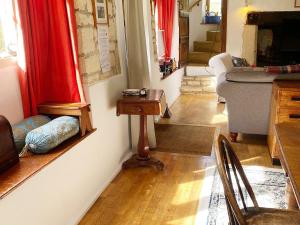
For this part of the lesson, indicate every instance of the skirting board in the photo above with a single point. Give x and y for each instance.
(92, 201)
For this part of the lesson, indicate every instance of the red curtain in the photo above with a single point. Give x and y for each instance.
(165, 9)
(47, 53)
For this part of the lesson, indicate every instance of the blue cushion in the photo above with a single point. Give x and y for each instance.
(43, 139)
(21, 129)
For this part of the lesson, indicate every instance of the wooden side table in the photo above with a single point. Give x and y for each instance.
(285, 107)
(154, 103)
(287, 139)
(80, 110)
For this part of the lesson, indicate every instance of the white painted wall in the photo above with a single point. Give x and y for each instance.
(197, 29)
(10, 97)
(171, 85)
(63, 191)
(237, 18)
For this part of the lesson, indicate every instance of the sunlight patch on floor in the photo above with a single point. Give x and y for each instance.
(219, 118)
(252, 160)
(188, 220)
(183, 193)
(204, 170)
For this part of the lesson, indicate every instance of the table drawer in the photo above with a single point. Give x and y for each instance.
(290, 99)
(288, 115)
(139, 109)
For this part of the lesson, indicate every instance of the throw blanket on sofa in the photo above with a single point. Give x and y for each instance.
(283, 69)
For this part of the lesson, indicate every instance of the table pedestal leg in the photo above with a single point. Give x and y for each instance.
(290, 196)
(143, 158)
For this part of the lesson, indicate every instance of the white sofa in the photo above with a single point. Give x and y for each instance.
(247, 94)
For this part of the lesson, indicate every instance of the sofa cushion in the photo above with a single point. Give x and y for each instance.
(239, 62)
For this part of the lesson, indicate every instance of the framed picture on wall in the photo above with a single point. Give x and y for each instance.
(100, 12)
(297, 3)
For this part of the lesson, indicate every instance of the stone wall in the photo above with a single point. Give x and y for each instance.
(153, 26)
(89, 60)
(198, 84)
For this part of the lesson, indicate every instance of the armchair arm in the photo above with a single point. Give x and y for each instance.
(249, 76)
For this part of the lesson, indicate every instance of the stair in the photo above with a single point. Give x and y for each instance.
(207, 46)
(214, 35)
(198, 84)
(204, 50)
(200, 57)
(198, 70)
(199, 78)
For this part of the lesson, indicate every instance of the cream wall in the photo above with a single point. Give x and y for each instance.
(10, 97)
(171, 86)
(62, 192)
(237, 18)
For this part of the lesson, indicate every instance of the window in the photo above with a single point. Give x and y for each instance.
(214, 7)
(2, 44)
(8, 36)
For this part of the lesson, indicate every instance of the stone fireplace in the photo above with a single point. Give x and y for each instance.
(272, 38)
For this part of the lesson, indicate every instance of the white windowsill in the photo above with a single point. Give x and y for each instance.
(7, 62)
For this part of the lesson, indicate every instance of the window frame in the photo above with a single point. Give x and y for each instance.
(8, 52)
(207, 6)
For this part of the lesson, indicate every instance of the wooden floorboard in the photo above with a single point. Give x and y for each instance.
(148, 197)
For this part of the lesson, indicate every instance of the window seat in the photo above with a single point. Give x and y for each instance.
(166, 76)
(32, 164)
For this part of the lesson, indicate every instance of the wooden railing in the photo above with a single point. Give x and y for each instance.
(197, 2)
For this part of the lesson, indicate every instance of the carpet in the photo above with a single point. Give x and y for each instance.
(185, 139)
(268, 185)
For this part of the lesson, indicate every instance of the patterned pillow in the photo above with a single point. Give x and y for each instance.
(239, 62)
(43, 139)
(21, 129)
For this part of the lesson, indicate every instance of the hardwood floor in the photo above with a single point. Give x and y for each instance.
(197, 109)
(147, 197)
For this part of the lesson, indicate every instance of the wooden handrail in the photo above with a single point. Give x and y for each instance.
(194, 4)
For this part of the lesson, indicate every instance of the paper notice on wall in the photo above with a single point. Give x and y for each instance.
(103, 45)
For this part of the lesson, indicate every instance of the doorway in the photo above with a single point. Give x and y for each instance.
(205, 37)
(206, 33)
